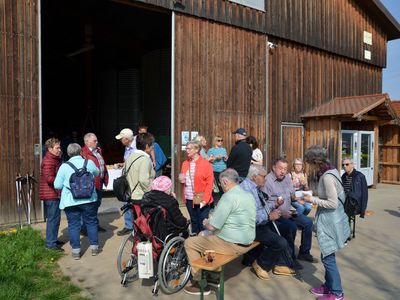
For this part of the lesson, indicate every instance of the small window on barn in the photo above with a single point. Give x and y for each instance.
(257, 4)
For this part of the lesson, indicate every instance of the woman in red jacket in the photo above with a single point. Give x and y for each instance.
(48, 194)
(197, 179)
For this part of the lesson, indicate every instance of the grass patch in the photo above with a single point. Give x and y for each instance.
(28, 270)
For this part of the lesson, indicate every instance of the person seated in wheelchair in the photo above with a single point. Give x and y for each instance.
(161, 196)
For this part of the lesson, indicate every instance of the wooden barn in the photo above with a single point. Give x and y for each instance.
(185, 67)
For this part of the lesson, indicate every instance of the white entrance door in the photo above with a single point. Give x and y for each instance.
(360, 146)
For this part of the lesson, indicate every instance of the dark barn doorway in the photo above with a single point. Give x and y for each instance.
(105, 66)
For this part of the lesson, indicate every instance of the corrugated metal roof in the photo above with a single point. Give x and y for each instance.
(353, 106)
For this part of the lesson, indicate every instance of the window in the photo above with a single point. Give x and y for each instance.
(257, 4)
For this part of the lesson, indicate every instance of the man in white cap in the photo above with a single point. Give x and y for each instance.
(127, 139)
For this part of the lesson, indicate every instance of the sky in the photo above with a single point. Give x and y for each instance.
(391, 75)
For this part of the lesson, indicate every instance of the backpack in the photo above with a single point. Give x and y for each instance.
(121, 185)
(350, 204)
(81, 182)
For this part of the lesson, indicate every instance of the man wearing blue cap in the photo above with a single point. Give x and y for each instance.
(240, 156)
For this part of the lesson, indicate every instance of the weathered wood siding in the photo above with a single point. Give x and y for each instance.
(333, 25)
(302, 78)
(222, 11)
(19, 107)
(389, 144)
(220, 81)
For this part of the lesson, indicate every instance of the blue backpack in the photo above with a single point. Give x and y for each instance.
(81, 182)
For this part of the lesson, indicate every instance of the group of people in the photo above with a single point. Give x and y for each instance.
(254, 204)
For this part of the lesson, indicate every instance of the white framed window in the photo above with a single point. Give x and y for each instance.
(256, 4)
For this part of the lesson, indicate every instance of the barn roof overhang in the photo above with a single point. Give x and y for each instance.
(382, 16)
(376, 107)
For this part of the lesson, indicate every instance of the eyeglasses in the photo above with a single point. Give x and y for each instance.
(220, 140)
(346, 164)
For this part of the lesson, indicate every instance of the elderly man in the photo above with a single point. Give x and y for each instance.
(278, 185)
(127, 139)
(273, 247)
(92, 151)
(240, 157)
(355, 185)
(233, 223)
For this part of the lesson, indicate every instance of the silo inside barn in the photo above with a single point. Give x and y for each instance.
(105, 66)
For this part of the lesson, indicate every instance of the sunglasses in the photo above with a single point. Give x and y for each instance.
(346, 164)
(220, 140)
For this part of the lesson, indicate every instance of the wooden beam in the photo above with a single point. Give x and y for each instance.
(390, 182)
(389, 145)
(376, 155)
(388, 163)
(369, 118)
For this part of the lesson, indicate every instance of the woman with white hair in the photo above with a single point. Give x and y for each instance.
(78, 209)
(332, 223)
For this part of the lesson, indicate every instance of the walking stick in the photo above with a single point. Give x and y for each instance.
(28, 198)
(18, 190)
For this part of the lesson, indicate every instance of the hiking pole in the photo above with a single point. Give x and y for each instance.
(28, 199)
(18, 190)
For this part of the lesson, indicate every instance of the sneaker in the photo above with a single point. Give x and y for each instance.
(307, 257)
(320, 291)
(297, 265)
(260, 272)
(331, 296)
(101, 229)
(283, 270)
(194, 289)
(124, 231)
(76, 256)
(57, 248)
(95, 251)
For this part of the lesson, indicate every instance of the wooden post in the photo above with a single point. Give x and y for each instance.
(376, 155)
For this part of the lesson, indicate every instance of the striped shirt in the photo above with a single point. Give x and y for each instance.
(189, 182)
(347, 182)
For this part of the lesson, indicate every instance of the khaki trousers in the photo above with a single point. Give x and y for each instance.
(195, 247)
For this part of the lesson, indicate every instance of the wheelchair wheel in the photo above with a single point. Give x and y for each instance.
(173, 266)
(127, 261)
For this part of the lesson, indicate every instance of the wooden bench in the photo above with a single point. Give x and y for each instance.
(217, 265)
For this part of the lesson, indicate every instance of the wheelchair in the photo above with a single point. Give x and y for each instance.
(171, 265)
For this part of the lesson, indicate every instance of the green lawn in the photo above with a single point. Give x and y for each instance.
(28, 270)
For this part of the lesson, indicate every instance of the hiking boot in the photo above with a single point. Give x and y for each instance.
(307, 257)
(59, 243)
(260, 272)
(124, 231)
(194, 289)
(331, 296)
(283, 270)
(320, 291)
(76, 256)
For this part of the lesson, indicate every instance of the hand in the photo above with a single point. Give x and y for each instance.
(307, 198)
(205, 222)
(279, 202)
(274, 215)
(182, 178)
(286, 214)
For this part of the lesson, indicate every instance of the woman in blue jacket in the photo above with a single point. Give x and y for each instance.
(78, 209)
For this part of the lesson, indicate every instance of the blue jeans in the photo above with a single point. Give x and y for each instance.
(128, 219)
(99, 197)
(302, 209)
(53, 216)
(271, 250)
(197, 215)
(87, 212)
(288, 229)
(305, 224)
(332, 276)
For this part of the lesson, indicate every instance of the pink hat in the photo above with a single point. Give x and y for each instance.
(161, 183)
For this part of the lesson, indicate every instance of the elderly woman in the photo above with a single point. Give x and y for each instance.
(203, 144)
(299, 181)
(332, 223)
(48, 194)
(217, 156)
(77, 209)
(162, 195)
(197, 179)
